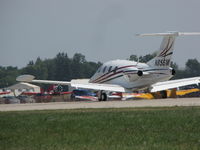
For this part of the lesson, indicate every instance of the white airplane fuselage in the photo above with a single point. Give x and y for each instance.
(130, 74)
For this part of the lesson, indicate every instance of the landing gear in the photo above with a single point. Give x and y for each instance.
(163, 94)
(102, 96)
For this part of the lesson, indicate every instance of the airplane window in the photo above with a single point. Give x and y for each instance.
(104, 69)
(115, 69)
(109, 68)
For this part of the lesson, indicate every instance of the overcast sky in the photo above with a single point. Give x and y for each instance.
(101, 30)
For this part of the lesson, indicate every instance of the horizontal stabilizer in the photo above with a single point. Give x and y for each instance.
(173, 33)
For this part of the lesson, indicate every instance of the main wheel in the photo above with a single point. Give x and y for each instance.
(102, 96)
(163, 94)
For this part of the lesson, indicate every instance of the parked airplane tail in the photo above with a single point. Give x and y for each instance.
(163, 58)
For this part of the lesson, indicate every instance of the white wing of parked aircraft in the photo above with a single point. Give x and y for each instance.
(160, 86)
(128, 76)
(76, 83)
(96, 86)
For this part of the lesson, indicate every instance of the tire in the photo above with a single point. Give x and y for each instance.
(163, 94)
(103, 96)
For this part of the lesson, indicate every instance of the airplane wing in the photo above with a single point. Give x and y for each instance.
(84, 84)
(160, 86)
(78, 83)
(96, 86)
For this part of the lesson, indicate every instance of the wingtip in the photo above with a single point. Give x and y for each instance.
(137, 34)
(25, 78)
(169, 33)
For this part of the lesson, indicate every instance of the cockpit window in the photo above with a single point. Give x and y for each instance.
(104, 69)
(99, 70)
(110, 68)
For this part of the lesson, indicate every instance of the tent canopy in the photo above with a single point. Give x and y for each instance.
(22, 85)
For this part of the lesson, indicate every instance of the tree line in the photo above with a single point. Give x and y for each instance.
(60, 68)
(64, 68)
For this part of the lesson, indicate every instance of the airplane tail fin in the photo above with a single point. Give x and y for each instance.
(163, 58)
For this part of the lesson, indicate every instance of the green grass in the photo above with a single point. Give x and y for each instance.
(101, 129)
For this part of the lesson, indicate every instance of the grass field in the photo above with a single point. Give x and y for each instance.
(101, 129)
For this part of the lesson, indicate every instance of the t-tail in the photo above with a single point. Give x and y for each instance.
(164, 55)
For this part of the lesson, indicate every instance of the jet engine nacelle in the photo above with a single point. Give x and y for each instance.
(140, 73)
(130, 77)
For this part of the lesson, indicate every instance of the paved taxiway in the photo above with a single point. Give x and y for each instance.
(107, 104)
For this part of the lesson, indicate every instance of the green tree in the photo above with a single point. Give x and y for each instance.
(8, 76)
(143, 59)
(133, 58)
(78, 62)
(192, 68)
(146, 58)
(62, 67)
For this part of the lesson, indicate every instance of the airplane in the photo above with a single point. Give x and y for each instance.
(128, 76)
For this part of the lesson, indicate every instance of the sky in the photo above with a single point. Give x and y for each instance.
(102, 30)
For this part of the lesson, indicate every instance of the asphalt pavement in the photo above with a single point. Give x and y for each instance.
(107, 104)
